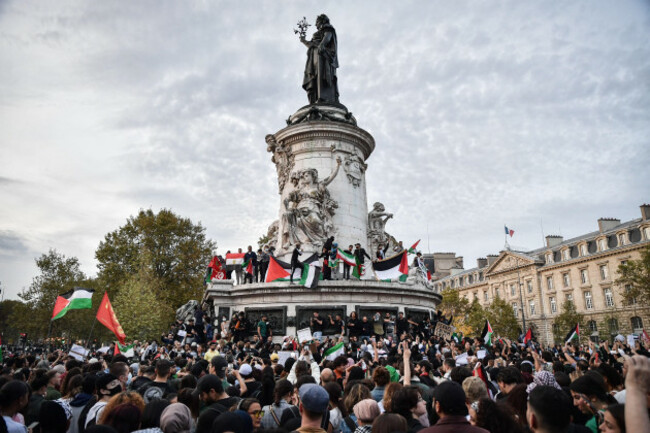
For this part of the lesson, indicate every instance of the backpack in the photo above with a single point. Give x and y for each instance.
(350, 423)
(152, 393)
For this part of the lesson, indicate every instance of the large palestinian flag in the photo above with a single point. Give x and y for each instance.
(281, 271)
(248, 266)
(392, 268)
(486, 335)
(573, 334)
(215, 270)
(76, 299)
(235, 258)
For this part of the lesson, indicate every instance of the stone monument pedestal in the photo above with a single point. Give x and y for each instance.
(289, 307)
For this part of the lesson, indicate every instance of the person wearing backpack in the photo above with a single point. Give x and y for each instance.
(283, 398)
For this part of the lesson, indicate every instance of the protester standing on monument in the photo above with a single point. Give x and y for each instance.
(398, 248)
(327, 271)
(346, 267)
(264, 329)
(264, 263)
(250, 255)
(317, 325)
(360, 254)
(238, 269)
(381, 255)
(295, 263)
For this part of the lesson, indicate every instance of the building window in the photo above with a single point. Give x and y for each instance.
(476, 295)
(636, 322)
(532, 308)
(452, 284)
(480, 276)
(647, 233)
(512, 290)
(630, 301)
(604, 272)
(470, 279)
(496, 293)
(529, 286)
(565, 255)
(612, 324)
(583, 250)
(515, 309)
(609, 298)
(553, 305)
(584, 276)
(566, 281)
(589, 303)
(460, 282)
(485, 296)
(549, 283)
(602, 244)
(569, 297)
(621, 239)
(593, 327)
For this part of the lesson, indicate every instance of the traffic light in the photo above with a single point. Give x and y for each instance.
(23, 337)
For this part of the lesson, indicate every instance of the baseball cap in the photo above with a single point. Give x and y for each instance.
(314, 398)
(245, 369)
(208, 382)
(451, 397)
(220, 364)
(110, 383)
(275, 357)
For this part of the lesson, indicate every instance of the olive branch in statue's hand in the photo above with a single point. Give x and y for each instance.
(302, 28)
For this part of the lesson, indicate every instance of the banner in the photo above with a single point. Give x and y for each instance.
(443, 331)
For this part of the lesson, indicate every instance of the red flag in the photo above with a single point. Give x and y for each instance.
(404, 264)
(59, 305)
(479, 372)
(214, 271)
(248, 267)
(107, 317)
(528, 336)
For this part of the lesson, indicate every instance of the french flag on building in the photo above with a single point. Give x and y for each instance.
(509, 231)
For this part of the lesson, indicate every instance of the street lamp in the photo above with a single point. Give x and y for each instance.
(521, 296)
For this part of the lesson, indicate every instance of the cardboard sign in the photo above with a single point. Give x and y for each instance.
(480, 354)
(78, 352)
(443, 331)
(283, 355)
(462, 359)
(304, 335)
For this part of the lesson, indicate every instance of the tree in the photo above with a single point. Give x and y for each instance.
(475, 317)
(176, 252)
(566, 320)
(502, 318)
(634, 279)
(140, 294)
(58, 274)
(10, 331)
(456, 305)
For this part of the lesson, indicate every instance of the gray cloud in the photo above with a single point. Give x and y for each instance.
(484, 113)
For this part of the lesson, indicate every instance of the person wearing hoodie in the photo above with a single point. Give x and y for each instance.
(79, 401)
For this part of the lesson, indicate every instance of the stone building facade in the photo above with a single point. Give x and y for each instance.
(582, 269)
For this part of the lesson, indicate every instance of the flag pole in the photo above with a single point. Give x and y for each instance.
(92, 328)
(49, 333)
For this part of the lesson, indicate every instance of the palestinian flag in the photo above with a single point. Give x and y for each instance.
(334, 351)
(106, 316)
(574, 334)
(76, 299)
(392, 268)
(248, 266)
(215, 270)
(346, 257)
(413, 250)
(457, 337)
(124, 349)
(528, 336)
(277, 271)
(310, 275)
(479, 372)
(235, 258)
(486, 335)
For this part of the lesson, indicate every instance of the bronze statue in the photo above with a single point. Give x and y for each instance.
(320, 81)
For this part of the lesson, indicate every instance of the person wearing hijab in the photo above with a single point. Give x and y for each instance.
(176, 418)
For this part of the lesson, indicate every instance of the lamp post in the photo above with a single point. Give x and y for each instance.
(521, 296)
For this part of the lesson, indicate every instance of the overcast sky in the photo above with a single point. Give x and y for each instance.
(530, 114)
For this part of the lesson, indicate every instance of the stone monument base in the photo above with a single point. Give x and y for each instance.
(289, 307)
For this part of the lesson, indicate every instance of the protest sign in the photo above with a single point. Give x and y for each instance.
(462, 359)
(304, 335)
(444, 331)
(78, 352)
(480, 354)
(283, 355)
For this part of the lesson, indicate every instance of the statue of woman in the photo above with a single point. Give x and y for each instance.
(320, 81)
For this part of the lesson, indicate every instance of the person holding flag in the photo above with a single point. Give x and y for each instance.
(295, 263)
(360, 254)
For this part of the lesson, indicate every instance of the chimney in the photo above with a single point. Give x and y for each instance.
(605, 224)
(491, 258)
(459, 262)
(645, 212)
(553, 240)
(481, 262)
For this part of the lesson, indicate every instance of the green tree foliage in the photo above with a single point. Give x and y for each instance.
(8, 308)
(634, 279)
(566, 320)
(174, 249)
(140, 294)
(456, 305)
(502, 318)
(58, 274)
(475, 318)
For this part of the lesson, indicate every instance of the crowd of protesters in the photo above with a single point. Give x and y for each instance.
(390, 376)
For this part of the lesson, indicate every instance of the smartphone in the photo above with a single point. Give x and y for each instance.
(32, 425)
